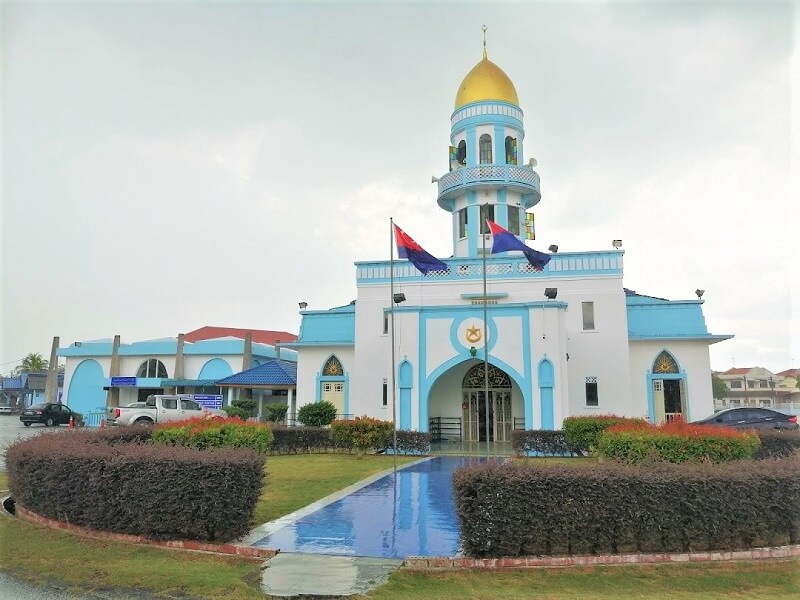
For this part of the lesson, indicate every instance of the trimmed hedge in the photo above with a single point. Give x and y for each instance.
(527, 509)
(158, 491)
(541, 441)
(583, 432)
(676, 442)
(301, 440)
(276, 412)
(362, 434)
(777, 443)
(316, 414)
(410, 442)
(202, 433)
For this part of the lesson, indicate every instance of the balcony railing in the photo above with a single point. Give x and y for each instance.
(524, 177)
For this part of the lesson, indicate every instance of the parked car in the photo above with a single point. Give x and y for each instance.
(6, 409)
(159, 408)
(751, 418)
(48, 414)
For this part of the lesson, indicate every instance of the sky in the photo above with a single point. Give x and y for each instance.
(167, 166)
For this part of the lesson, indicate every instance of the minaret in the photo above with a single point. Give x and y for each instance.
(486, 164)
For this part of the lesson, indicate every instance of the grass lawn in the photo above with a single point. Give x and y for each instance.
(773, 580)
(295, 481)
(3, 480)
(27, 551)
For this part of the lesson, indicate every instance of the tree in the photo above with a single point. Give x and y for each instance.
(33, 363)
(317, 414)
(718, 388)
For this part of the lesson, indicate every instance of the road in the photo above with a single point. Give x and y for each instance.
(11, 430)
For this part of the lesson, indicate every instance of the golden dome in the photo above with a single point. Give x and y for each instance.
(486, 81)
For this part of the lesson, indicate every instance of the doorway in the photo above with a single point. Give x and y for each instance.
(474, 406)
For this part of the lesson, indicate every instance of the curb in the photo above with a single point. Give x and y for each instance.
(520, 562)
(245, 552)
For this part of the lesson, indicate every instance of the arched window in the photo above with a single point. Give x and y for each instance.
(497, 378)
(152, 367)
(485, 149)
(665, 363)
(511, 150)
(332, 368)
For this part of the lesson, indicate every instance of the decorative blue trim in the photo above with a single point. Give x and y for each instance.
(651, 401)
(496, 120)
(458, 320)
(337, 378)
(563, 264)
(405, 381)
(473, 216)
(499, 144)
(496, 309)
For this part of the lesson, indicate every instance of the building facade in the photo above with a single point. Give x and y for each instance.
(568, 340)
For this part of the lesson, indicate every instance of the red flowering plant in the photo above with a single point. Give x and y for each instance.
(203, 432)
(676, 441)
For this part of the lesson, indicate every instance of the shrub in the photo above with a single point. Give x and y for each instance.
(77, 419)
(362, 434)
(583, 433)
(411, 442)
(676, 442)
(276, 412)
(776, 443)
(203, 433)
(296, 440)
(317, 414)
(246, 404)
(236, 412)
(541, 441)
(158, 491)
(527, 509)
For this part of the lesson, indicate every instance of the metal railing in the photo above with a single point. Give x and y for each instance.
(512, 174)
(445, 429)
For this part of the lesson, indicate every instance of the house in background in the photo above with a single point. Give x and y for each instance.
(757, 386)
(27, 389)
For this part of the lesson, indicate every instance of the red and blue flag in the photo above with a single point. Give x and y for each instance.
(408, 248)
(504, 241)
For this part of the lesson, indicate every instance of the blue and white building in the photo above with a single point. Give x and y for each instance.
(590, 346)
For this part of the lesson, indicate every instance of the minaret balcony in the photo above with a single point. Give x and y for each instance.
(523, 180)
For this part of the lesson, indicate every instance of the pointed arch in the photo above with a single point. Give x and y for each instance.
(474, 379)
(332, 367)
(546, 374)
(665, 363)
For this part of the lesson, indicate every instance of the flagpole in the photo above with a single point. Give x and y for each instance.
(391, 304)
(485, 210)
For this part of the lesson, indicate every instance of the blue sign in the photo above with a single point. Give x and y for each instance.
(123, 382)
(209, 401)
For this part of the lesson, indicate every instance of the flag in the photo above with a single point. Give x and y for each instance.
(408, 248)
(503, 241)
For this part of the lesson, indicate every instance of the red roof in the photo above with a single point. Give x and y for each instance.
(789, 373)
(738, 371)
(260, 336)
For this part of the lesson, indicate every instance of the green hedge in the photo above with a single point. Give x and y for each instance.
(583, 433)
(362, 434)
(541, 442)
(316, 414)
(676, 442)
(527, 509)
(214, 433)
(158, 491)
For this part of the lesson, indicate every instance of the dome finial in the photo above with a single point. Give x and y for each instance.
(484, 42)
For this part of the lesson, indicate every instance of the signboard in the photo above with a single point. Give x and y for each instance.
(123, 382)
(209, 400)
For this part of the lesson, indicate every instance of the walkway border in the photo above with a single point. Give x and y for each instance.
(519, 562)
(244, 552)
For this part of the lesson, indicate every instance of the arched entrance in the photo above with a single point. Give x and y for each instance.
(478, 426)
(669, 389)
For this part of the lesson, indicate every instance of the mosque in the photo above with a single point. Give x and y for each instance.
(570, 339)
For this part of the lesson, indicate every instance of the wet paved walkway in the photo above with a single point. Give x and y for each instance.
(407, 513)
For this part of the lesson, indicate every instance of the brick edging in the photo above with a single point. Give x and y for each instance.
(245, 552)
(423, 563)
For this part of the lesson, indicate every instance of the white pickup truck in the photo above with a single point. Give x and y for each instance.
(160, 408)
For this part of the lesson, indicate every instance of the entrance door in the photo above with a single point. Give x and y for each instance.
(673, 407)
(474, 406)
(333, 392)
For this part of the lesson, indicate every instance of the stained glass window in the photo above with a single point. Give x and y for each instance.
(497, 378)
(664, 363)
(332, 368)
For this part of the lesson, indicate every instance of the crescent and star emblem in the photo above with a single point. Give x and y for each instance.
(473, 335)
